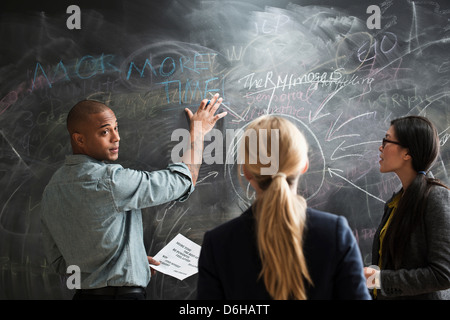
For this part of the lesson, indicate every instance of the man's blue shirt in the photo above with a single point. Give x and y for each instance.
(91, 217)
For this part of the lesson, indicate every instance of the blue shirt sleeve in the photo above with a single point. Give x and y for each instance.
(134, 189)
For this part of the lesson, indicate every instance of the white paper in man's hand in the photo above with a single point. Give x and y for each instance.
(179, 258)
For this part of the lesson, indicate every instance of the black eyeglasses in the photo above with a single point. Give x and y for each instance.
(383, 143)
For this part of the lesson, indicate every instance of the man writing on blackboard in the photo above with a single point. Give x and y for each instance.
(91, 210)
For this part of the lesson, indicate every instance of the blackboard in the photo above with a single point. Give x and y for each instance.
(339, 78)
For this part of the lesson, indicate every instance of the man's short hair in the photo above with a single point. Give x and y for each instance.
(80, 112)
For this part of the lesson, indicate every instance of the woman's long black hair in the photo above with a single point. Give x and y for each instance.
(420, 137)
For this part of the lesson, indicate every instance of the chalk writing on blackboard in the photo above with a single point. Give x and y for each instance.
(320, 66)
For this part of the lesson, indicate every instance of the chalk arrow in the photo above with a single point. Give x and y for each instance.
(332, 131)
(317, 114)
(213, 174)
(334, 172)
(229, 109)
(341, 148)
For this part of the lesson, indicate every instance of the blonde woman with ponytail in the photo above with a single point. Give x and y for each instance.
(279, 248)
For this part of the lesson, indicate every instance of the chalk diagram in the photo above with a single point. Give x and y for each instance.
(338, 75)
(318, 67)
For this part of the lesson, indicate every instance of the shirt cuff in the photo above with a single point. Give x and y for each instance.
(184, 170)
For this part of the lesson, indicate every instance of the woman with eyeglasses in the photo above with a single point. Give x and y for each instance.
(411, 247)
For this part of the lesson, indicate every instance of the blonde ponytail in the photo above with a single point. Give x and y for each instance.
(280, 215)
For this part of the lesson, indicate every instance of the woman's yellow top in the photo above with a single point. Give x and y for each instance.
(393, 204)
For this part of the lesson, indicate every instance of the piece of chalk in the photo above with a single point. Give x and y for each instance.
(207, 103)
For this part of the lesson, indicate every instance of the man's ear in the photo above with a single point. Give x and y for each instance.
(78, 139)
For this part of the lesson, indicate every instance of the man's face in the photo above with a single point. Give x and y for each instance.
(101, 136)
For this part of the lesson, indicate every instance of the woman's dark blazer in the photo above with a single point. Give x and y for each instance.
(425, 270)
(229, 264)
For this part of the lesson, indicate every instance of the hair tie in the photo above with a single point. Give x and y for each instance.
(422, 172)
(279, 174)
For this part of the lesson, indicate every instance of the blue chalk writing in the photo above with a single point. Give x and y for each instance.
(38, 65)
(167, 68)
(192, 87)
(141, 72)
(86, 67)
